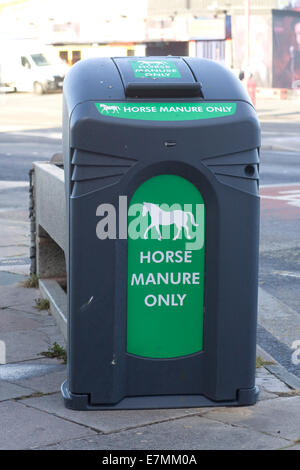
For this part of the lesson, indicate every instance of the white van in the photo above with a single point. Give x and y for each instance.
(30, 69)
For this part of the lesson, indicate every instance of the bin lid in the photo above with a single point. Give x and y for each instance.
(157, 77)
(123, 78)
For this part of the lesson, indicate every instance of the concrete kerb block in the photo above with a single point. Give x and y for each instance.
(278, 370)
(57, 297)
(50, 201)
(50, 257)
(51, 237)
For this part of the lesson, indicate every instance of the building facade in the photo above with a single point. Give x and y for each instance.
(257, 36)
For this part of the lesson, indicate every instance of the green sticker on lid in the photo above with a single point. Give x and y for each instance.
(180, 111)
(154, 69)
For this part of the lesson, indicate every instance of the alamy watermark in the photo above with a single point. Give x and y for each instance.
(2, 352)
(149, 220)
(296, 354)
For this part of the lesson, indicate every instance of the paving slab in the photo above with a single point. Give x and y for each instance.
(107, 421)
(43, 376)
(7, 278)
(280, 372)
(14, 232)
(43, 317)
(280, 417)
(25, 345)
(189, 433)
(12, 213)
(53, 333)
(264, 395)
(49, 383)
(296, 447)
(9, 391)
(8, 252)
(13, 320)
(14, 295)
(18, 268)
(267, 382)
(27, 428)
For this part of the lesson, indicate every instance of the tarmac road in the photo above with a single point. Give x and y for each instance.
(279, 167)
(19, 149)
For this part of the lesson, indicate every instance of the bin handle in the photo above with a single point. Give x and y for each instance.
(163, 90)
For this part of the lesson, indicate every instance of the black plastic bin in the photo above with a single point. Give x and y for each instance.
(161, 159)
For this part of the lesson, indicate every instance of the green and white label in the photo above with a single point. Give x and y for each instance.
(154, 69)
(165, 271)
(179, 111)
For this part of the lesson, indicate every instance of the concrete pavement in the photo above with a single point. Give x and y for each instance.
(33, 415)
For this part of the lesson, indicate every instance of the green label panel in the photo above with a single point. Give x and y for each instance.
(154, 69)
(166, 226)
(166, 111)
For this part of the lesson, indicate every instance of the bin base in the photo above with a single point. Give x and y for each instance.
(245, 397)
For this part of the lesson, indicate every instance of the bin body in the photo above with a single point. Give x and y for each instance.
(161, 161)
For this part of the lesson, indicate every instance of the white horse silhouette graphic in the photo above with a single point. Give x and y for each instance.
(108, 108)
(160, 217)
